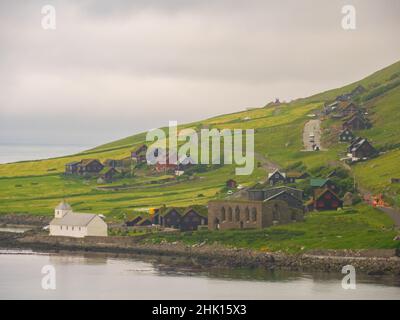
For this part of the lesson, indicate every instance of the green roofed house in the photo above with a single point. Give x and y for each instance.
(320, 183)
(108, 173)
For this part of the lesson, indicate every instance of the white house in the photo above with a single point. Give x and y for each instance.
(67, 223)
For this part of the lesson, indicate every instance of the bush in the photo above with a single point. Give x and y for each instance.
(381, 90)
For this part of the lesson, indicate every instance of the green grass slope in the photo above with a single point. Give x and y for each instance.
(37, 186)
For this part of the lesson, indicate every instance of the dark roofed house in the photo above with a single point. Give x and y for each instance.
(145, 222)
(84, 167)
(112, 163)
(139, 154)
(297, 193)
(358, 90)
(231, 184)
(361, 148)
(72, 167)
(292, 201)
(344, 97)
(108, 174)
(133, 222)
(356, 122)
(276, 177)
(346, 136)
(171, 218)
(347, 108)
(320, 183)
(291, 177)
(326, 200)
(192, 219)
(90, 166)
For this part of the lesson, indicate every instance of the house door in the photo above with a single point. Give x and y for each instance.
(216, 224)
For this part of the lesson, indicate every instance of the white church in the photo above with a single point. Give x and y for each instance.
(67, 223)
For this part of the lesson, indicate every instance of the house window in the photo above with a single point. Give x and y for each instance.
(223, 214)
(229, 214)
(237, 214)
(254, 214)
(247, 214)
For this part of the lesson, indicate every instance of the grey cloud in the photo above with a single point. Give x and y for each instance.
(150, 61)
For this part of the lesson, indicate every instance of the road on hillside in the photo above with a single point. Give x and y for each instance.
(312, 127)
(392, 213)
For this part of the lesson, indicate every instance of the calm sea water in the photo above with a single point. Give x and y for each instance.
(101, 277)
(13, 153)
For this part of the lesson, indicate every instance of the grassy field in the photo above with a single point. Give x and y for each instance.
(37, 186)
(361, 227)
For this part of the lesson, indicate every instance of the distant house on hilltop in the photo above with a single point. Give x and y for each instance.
(108, 174)
(84, 167)
(139, 154)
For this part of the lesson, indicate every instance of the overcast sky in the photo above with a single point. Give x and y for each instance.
(114, 68)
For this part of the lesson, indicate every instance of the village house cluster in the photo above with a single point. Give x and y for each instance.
(183, 219)
(355, 118)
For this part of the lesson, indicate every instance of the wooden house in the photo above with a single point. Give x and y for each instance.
(346, 136)
(361, 148)
(108, 174)
(112, 163)
(171, 218)
(292, 176)
(90, 166)
(326, 199)
(84, 167)
(276, 177)
(356, 122)
(347, 108)
(139, 154)
(318, 183)
(285, 196)
(145, 222)
(72, 168)
(231, 184)
(192, 219)
(133, 222)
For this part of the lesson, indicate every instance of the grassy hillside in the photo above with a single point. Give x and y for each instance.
(360, 228)
(37, 186)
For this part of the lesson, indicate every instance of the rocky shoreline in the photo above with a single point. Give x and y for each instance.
(371, 262)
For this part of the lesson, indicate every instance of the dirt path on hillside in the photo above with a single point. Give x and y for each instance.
(392, 213)
(267, 164)
(312, 127)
